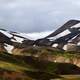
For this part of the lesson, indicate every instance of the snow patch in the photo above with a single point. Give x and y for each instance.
(8, 48)
(54, 45)
(59, 35)
(65, 47)
(6, 33)
(38, 35)
(18, 39)
(78, 43)
(24, 35)
(76, 26)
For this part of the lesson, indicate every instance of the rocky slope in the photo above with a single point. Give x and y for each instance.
(10, 40)
(14, 67)
(66, 36)
(50, 54)
(67, 33)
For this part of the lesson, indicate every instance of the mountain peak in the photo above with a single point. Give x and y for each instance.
(10, 39)
(67, 33)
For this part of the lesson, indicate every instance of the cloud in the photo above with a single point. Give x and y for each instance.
(37, 15)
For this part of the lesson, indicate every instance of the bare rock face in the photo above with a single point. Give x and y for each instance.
(2, 49)
(42, 42)
(70, 47)
(4, 39)
(28, 43)
(16, 51)
(22, 51)
(61, 59)
(48, 54)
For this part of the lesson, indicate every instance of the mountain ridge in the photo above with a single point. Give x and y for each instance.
(66, 34)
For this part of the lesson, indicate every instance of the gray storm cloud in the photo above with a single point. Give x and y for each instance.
(37, 15)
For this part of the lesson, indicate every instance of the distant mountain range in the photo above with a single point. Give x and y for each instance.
(66, 35)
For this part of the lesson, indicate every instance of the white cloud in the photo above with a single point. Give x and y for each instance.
(37, 15)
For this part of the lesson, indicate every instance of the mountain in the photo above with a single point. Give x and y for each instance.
(67, 35)
(22, 57)
(66, 26)
(69, 27)
(10, 40)
(62, 36)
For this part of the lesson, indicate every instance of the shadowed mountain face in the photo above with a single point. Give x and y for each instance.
(67, 25)
(68, 33)
(64, 40)
(43, 42)
(76, 39)
(63, 35)
(10, 40)
(70, 28)
(4, 39)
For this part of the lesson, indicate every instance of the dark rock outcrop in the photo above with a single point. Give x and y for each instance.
(5, 39)
(67, 25)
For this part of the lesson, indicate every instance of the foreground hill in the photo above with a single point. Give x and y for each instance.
(50, 54)
(39, 65)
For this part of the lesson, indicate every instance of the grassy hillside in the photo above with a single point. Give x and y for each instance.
(15, 64)
(39, 65)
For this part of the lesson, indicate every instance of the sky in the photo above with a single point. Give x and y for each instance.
(37, 15)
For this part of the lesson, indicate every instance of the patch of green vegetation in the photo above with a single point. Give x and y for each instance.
(8, 61)
(38, 69)
(51, 51)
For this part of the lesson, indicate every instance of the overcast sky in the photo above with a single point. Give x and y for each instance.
(37, 15)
